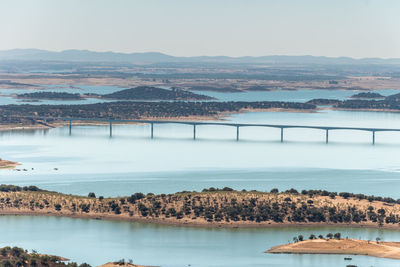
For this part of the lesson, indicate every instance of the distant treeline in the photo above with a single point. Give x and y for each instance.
(154, 93)
(391, 102)
(138, 110)
(137, 93)
(50, 95)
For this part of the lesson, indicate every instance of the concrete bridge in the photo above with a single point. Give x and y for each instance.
(195, 124)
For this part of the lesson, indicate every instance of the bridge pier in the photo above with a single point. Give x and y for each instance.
(152, 130)
(194, 131)
(110, 128)
(373, 137)
(70, 127)
(282, 135)
(237, 133)
(327, 136)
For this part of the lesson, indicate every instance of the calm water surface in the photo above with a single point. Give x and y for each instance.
(97, 242)
(89, 160)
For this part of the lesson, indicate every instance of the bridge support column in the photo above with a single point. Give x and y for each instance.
(281, 135)
(70, 127)
(373, 137)
(237, 133)
(194, 131)
(152, 130)
(110, 128)
(327, 136)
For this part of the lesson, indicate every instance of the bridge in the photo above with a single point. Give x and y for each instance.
(195, 124)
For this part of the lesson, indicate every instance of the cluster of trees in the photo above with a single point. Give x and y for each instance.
(154, 93)
(345, 195)
(15, 188)
(369, 95)
(216, 205)
(16, 256)
(50, 95)
(300, 238)
(138, 110)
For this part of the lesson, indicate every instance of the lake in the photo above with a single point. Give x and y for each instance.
(97, 242)
(90, 161)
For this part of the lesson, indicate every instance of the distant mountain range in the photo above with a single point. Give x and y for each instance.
(155, 57)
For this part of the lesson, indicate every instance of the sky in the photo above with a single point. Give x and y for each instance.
(354, 28)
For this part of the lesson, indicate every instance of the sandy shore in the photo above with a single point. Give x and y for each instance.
(389, 250)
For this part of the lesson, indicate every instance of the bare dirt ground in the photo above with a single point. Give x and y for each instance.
(389, 250)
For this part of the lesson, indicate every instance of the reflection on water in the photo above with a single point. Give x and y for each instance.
(98, 242)
(130, 161)
(90, 161)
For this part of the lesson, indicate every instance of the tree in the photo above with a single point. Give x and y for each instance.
(378, 239)
(312, 237)
(295, 239)
(301, 238)
(337, 236)
(92, 195)
(274, 191)
(330, 235)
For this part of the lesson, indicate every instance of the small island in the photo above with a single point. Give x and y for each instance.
(337, 245)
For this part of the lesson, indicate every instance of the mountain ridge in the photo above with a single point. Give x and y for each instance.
(74, 55)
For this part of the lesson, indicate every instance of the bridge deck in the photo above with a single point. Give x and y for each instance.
(227, 124)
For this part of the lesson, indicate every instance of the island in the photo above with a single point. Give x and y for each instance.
(338, 245)
(153, 93)
(137, 93)
(211, 208)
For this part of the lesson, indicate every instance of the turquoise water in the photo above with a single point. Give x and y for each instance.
(97, 242)
(90, 161)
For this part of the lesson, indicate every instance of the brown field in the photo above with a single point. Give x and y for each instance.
(380, 249)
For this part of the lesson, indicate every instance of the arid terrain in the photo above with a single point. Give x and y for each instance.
(212, 207)
(379, 249)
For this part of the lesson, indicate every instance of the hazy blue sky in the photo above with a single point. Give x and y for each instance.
(357, 28)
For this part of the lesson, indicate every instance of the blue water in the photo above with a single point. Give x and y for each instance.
(301, 95)
(97, 242)
(90, 161)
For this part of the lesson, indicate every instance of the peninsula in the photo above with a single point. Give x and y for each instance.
(211, 207)
(379, 249)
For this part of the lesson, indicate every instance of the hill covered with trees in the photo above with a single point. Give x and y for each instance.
(223, 207)
(154, 93)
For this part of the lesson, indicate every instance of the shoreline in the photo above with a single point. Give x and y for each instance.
(213, 225)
